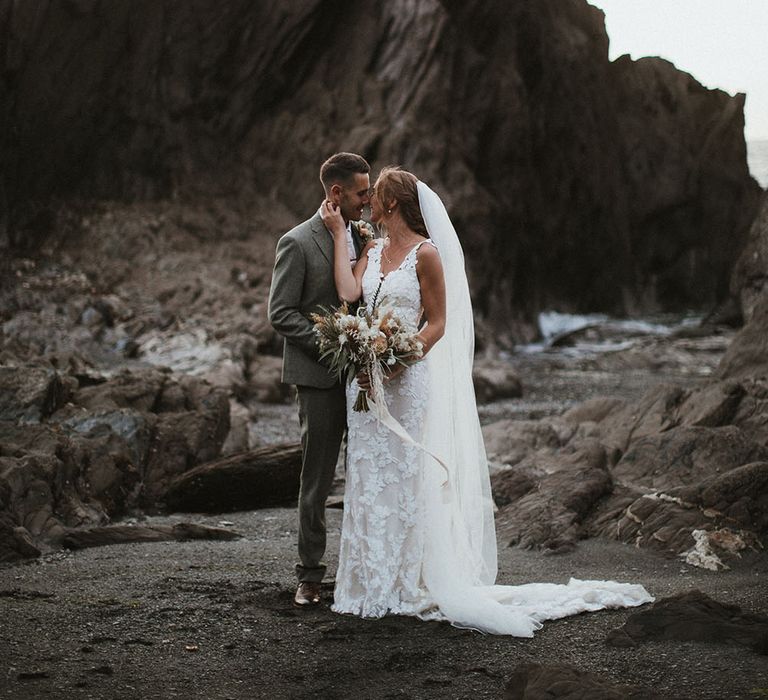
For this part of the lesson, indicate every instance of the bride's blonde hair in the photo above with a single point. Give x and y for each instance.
(397, 184)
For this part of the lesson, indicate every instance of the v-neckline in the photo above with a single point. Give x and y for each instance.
(382, 276)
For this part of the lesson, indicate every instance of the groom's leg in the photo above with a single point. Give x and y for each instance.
(322, 415)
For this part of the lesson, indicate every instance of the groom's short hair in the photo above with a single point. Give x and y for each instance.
(341, 168)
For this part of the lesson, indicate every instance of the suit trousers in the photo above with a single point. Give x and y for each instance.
(323, 420)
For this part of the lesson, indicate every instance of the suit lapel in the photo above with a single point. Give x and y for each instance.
(322, 237)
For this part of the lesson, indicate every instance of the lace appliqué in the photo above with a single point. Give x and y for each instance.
(382, 539)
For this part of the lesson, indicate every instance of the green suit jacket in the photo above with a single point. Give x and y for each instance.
(302, 282)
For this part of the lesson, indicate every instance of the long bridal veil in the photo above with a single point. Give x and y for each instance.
(460, 556)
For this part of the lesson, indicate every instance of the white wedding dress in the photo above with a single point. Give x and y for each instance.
(412, 543)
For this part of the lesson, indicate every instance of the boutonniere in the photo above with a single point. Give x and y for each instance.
(365, 232)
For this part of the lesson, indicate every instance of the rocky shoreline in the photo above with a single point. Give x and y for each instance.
(640, 455)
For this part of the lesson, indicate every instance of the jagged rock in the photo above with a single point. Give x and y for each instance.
(29, 394)
(510, 440)
(752, 413)
(496, 381)
(738, 498)
(546, 510)
(747, 355)
(729, 510)
(91, 462)
(693, 616)
(712, 406)
(685, 455)
(654, 413)
(140, 390)
(749, 280)
(549, 681)
(263, 477)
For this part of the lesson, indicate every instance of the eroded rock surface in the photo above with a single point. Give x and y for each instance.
(115, 445)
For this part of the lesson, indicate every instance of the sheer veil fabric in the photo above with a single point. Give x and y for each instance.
(460, 557)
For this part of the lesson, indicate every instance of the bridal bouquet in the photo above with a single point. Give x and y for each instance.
(372, 341)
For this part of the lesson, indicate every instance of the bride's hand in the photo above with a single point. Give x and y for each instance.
(396, 371)
(364, 380)
(332, 218)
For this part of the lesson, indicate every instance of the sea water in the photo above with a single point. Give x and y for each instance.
(553, 324)
(757, 158)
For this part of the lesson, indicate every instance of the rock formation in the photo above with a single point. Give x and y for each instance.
(81, 451)
(575, 182)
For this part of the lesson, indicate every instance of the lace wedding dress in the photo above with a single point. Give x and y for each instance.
(412, 543)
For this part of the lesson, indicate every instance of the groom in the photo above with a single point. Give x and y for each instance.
(302, 282)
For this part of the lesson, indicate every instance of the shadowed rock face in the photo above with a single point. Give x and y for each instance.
(582, 184)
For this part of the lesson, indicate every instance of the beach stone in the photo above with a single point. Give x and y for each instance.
(532, 681)
(693, 617)
(89, 463)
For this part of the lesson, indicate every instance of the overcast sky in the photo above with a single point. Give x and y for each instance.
(722, 43)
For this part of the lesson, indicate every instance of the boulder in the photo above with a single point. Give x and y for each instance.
(693, 617)
(29, 394)
(509, 441)
(546, 509)
(533, 681)
(495, 381)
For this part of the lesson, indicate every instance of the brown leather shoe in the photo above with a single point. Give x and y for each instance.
(307, 594)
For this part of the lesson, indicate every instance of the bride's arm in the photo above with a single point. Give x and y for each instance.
(349, 281)
(432, 283)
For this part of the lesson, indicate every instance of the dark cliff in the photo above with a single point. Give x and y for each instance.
(575, 183)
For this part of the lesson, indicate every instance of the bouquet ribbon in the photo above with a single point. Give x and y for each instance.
(382, 413)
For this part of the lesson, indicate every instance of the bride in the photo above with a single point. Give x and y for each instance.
(418, 533)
